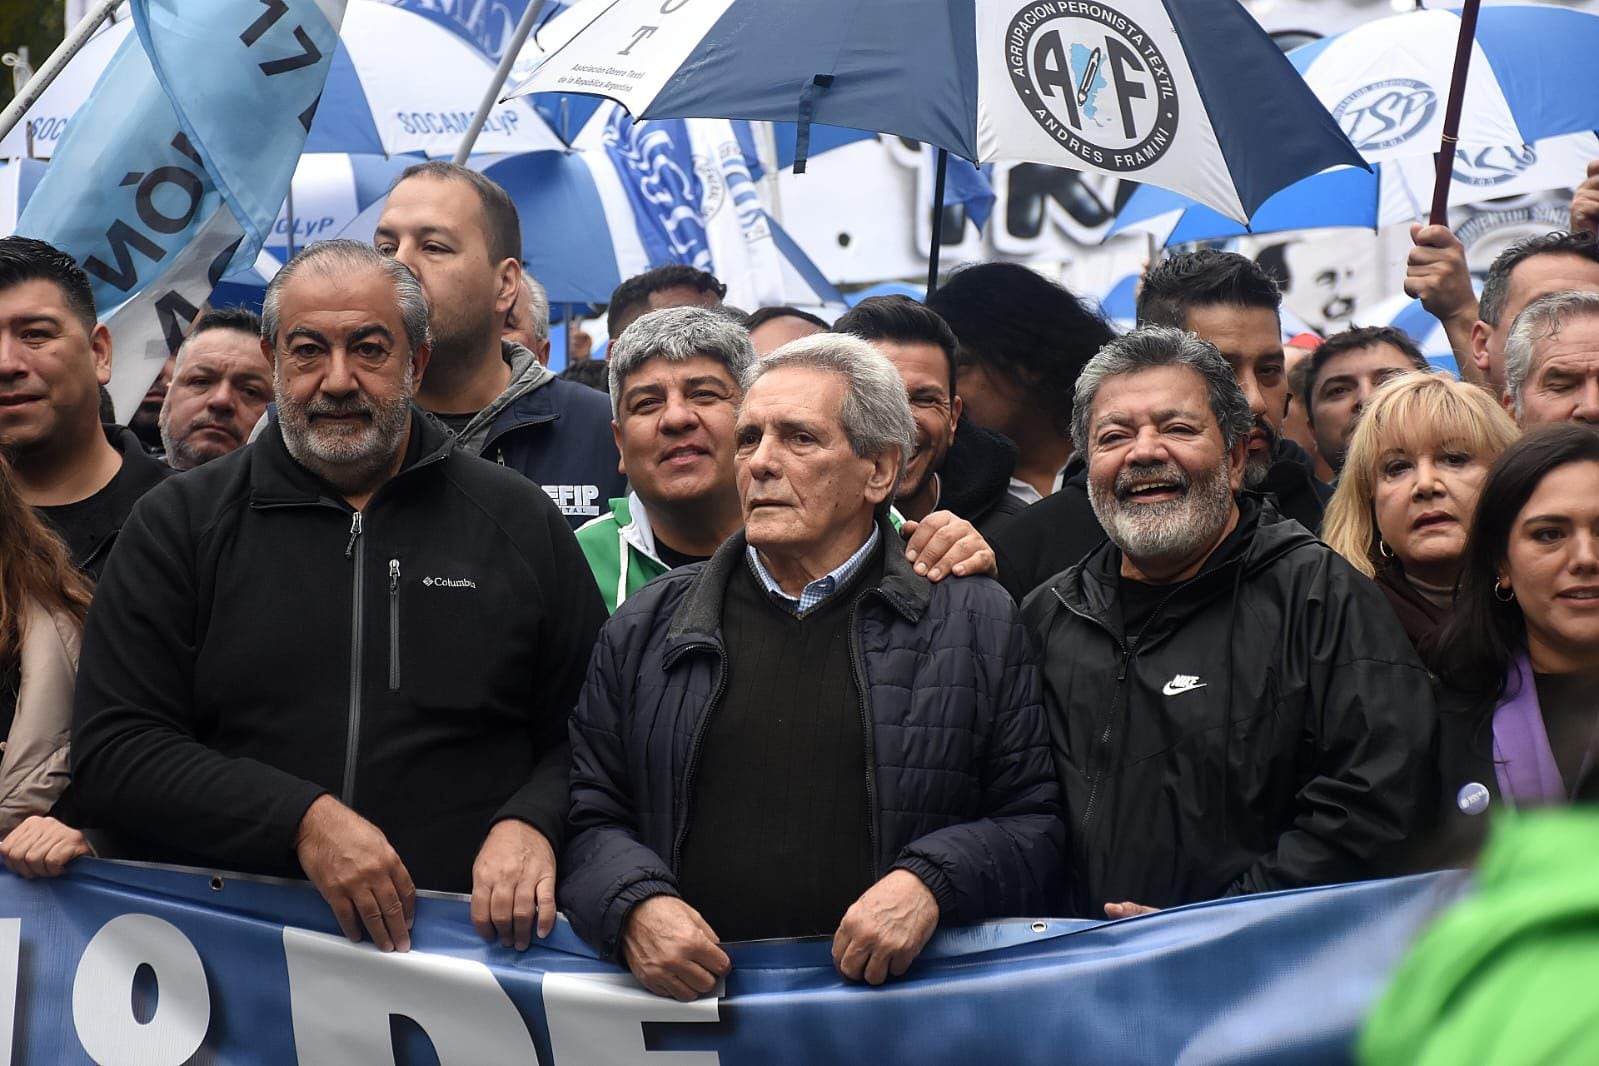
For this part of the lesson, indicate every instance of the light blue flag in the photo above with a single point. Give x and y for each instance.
(244, 79)
(176, 165)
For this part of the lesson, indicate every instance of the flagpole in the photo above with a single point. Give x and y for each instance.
(55, 64)
(1457, 94)
(938, 220)
(507, 61)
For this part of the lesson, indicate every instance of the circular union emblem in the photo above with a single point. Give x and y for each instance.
(1486, 167)
(1386, 113)
(1095, 81)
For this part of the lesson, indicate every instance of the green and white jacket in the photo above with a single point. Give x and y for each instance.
(621, 551)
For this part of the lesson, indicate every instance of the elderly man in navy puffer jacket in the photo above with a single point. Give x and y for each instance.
(804, 735)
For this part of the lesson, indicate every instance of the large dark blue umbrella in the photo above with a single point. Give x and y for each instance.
(1191, 95)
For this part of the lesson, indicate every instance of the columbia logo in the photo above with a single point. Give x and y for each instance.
(1182, 683)
(449, 582)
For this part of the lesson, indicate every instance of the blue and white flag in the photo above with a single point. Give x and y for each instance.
(178, 163)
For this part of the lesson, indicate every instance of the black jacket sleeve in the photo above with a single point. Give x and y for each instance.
(1369, 724)
(137, 765)
(607, 868)
(1008, 861)
(573, 613)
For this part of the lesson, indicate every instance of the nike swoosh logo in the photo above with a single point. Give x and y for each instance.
(1174, 689)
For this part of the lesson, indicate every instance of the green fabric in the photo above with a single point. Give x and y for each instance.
(1511, 975)
(602, 545)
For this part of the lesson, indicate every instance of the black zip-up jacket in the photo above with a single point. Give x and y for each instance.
(959, 781)
(1269, 728)
(256, 643)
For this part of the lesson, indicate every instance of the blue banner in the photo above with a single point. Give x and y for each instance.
(118, 964)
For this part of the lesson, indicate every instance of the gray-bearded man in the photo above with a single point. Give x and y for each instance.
(348, 650)
(1233, 708)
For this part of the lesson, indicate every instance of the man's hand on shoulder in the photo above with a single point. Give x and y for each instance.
(513, 882)
(351, 863)
(942, 544)
(671, 949)
(884, 930)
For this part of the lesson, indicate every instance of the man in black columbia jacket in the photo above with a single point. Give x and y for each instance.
(348, 649)
(1233, 708)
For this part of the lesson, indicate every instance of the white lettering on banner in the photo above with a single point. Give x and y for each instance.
(598, 1020)
(102, 1003)
(10, 964)
(575, 499)
(342, 996)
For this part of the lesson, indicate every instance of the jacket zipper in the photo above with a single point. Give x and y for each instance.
(394, 625)
(1103, 744)
(1102, 748)
(356, 550)
(694, 750)
(859, 668)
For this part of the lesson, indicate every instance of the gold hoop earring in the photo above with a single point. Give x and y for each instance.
(1503, 593)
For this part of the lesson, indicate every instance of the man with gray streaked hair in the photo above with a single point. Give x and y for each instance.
(1234, 709)
(1552, 361)
(868, 758)
(399, 718)
(676, 379)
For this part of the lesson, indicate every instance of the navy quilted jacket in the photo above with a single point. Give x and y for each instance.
(960, 783)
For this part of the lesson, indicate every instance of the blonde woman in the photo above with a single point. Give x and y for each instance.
(1416, 462)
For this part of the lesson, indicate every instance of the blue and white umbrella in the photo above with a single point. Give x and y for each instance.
(1399, 190)
(646, 195)
(1530, 104)
(1191, 95)
(1533, 75)
(398, 83)
(330, 189)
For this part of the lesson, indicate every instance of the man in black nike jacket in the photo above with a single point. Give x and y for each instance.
(1233, 708)
(349, 649)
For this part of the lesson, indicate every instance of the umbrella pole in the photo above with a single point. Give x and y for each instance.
(566, 317)
(1457, 93)
(507, 61)
(938, 220)
(55, 64)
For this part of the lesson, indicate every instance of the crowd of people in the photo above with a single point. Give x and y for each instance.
(949, 611)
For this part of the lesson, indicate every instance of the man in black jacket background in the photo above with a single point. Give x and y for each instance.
(955, 464)
(347, 650)
(1233, 708)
